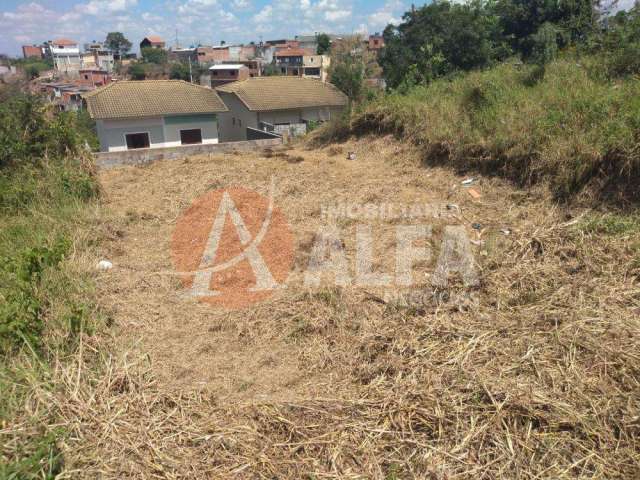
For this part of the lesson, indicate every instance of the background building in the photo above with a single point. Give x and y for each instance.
(152, 41)
(65, 54)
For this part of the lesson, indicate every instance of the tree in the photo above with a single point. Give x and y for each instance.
(521, 20)
(351, 64)
(180, 71)
(324, 43)
(117, 43)
(137, 71)
(440, 38)
(154, 55)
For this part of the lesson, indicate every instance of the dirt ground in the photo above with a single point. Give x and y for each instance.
(193, 345)
(537, 379)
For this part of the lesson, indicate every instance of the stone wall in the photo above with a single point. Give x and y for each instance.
(148, 155)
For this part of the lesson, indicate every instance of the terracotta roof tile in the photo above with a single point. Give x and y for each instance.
(292, 52)
(155, 39)
(281, 93)
(147, 98)
(64, 41)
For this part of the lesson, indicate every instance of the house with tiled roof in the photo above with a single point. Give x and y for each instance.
(154, 41)
(276, 104)
(290, 61)
(154, 114)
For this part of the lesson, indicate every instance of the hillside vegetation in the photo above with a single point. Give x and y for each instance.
(46, 186)
(569, 127)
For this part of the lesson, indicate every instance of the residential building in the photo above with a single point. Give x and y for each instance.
(308, 42)
(103, 57)
(154, 114)
(184, 54)
(265, 53)
(276, 104)
(254, 66)
(94, 77)
(375, 42)
(66, 55)
(289, 61)
(316, 66)
(212, 55)
(65, 96)
(33, 51)
(152, 41)
(227, 73)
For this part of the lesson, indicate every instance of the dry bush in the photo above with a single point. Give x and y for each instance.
(537, 379)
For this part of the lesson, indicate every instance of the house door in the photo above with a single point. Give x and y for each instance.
(137, 140)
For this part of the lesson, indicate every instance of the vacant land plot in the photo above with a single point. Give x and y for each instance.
(532, 373)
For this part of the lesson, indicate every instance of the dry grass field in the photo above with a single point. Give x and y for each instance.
(536, 378)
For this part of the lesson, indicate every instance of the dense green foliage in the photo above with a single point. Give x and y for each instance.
(324, 43)
(442, 38)
(46, 181)
(32, 67)
(154, 55)
(117, 43)
(137, 71)
(179, 71)
(572, 128)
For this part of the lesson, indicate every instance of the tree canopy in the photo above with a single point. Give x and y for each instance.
(154, 55)
(443, 37)
(324, 43)
(117, 43)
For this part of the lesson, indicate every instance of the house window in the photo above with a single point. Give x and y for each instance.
(86, 77)
(137, 140)
(191, 137)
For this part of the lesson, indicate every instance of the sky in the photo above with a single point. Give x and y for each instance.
(197, 21)
(204, 22)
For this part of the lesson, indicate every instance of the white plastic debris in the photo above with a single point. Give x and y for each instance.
(104, 265)
(468, 181)
(505, 231)
(351, 156)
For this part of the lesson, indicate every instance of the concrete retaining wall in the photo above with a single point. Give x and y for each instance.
(148, 155)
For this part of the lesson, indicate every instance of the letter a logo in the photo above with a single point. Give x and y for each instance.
(233, 248)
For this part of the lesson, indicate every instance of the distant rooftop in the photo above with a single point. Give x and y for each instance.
(292, 52)
(65, 42)
(227, 66)
(154, 38)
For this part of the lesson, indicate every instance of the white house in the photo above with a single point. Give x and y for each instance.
(154, 114)
(276, 104)
(66, 55)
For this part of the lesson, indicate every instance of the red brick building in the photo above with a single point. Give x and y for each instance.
(32, 51)
(376, 42)
(94, 77)
(222, 74)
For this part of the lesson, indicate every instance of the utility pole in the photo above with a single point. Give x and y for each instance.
(190, 73)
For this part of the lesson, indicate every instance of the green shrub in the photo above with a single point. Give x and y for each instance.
(567, 127)
(21, 319)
